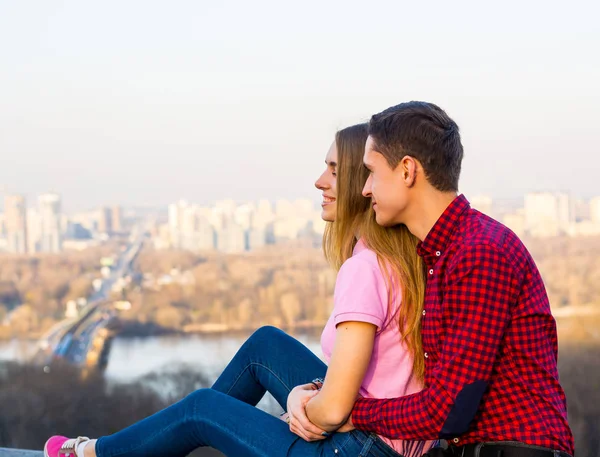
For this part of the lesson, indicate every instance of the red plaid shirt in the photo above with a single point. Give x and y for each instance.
(490, 344)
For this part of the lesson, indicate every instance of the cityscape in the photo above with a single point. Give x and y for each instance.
(231, 227)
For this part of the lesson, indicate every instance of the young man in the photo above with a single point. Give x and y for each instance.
(489, 338)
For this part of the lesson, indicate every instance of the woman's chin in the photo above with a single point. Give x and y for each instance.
(327, 215)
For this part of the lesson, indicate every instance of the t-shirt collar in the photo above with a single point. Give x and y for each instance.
(359, 246)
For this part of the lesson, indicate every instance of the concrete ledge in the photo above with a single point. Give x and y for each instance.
(5, 452)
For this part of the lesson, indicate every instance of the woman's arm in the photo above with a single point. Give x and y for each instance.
(349, 362)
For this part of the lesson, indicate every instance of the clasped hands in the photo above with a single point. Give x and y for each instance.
(297, 419)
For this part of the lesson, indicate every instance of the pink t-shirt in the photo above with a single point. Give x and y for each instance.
(361, 295)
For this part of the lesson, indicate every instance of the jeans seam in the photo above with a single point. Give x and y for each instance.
(218, 425)
(121, 451)
(262, 366)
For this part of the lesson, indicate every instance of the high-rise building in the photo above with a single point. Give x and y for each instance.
(257, 238)
(117, 219)
(34, 230)
(264, 214)
(244, 216)
(204, 238)
(231, 238)
(176, 211)
(16, 223)
(105, 222)
(50, 222)
(548, 214)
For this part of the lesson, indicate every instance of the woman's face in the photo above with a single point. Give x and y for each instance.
(327, 183)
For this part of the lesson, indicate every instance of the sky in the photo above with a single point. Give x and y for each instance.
(144, 102)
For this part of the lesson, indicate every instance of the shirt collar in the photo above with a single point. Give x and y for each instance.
(359, 246)
(439, 236)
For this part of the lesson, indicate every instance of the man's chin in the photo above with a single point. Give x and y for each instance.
(383, 221)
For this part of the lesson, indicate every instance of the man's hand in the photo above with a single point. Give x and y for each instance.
(347, 427)
(299, 423)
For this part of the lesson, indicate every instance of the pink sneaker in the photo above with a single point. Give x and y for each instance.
(58, 446)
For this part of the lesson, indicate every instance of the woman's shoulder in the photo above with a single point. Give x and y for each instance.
(363, 260)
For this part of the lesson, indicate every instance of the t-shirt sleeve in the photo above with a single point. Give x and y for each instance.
(360, 294)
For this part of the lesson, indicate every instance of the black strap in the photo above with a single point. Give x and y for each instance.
(504, 449)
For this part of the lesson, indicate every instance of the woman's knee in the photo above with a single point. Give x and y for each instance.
(266, 335)
(200, 399)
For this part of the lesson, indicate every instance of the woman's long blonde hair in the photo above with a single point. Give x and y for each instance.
(396, 247)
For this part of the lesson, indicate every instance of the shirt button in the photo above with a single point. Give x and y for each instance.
(455, 440)
(424, 312)
(426, 355)
(438, 253)
(431, 271)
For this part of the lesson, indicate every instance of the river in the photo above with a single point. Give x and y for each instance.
(131, 358)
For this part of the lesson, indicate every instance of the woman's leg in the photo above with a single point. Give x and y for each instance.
(204, 418)
(270, 360)
(211, 418)
(224, 417)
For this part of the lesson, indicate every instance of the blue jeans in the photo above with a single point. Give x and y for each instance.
(225, 417)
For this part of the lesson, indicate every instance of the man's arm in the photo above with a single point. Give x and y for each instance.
(480, 287)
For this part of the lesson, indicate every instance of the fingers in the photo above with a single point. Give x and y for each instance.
(306, 436)
(304, 428)
(299, 422)
(308, 427)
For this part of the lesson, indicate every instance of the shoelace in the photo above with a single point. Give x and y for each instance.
(70, 446)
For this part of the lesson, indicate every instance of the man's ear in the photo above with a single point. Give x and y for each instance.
(408, 167)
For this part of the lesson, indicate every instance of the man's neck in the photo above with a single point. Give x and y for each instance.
(426, 210)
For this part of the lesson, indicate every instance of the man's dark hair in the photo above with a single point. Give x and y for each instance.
(424, 131)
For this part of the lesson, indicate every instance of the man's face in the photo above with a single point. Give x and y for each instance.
(385, 186)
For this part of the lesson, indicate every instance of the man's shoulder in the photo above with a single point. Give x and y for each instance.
(483, 234)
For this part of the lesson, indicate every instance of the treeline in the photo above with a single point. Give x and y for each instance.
(292, 285)
(285, 286)
(34, 289)
(570, 268)
(37, 405)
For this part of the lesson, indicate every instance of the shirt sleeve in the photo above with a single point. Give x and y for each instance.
(478, 291)
(360, 294)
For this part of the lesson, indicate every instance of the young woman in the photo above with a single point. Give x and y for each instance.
(371, 343)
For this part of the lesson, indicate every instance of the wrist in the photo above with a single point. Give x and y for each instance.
(317, 383)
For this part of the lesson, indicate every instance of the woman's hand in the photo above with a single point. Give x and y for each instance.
(299, 423)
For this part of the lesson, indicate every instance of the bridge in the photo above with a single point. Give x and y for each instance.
(85, 341)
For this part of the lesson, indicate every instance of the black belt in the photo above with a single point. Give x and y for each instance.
(503, 449)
